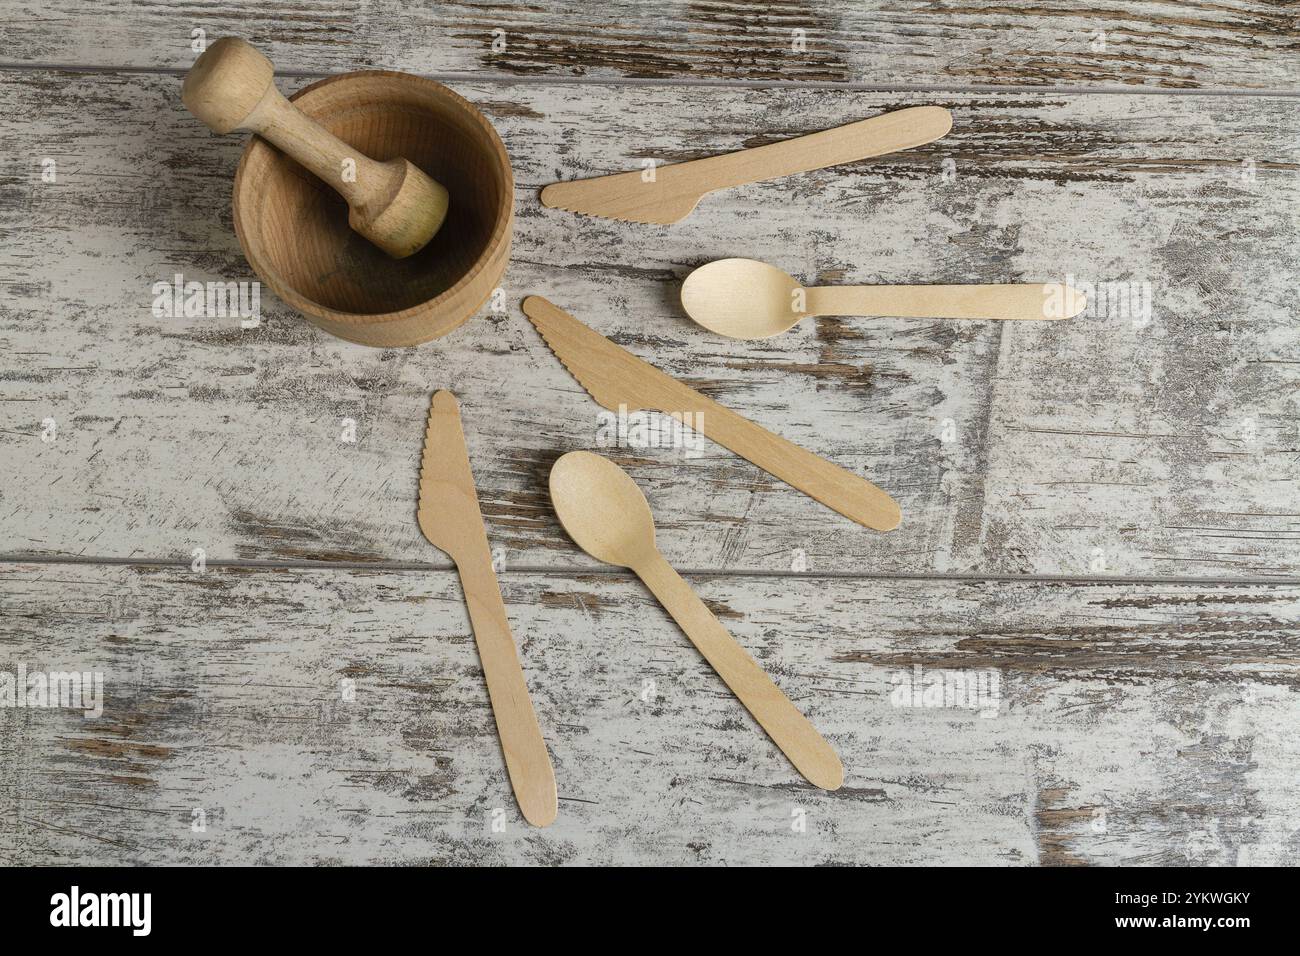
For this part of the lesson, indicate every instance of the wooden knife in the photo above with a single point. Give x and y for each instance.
(671, 192)
(450, 518)
(615, 377)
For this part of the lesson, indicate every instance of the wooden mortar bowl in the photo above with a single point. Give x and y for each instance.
(294, 229)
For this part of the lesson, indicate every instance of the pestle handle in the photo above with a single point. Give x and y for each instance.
(394, 204)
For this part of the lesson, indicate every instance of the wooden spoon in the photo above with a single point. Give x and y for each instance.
(604, 511)
(745, 299)
(394, 204)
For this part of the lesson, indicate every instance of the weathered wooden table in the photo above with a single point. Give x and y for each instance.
(1102, 522)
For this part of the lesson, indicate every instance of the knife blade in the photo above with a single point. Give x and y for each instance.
(615, 377)
(450, 518)
(669, 193)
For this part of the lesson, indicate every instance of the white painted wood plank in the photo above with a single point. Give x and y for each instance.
(1230, 44)
(1168, 447)
(1134, 724)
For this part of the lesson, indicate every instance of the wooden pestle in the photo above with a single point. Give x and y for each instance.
(393, 204)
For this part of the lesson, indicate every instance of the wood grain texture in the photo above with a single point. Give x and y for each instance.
(1097, 446)
(1187, 44)
(339, 715)
(1135, 724)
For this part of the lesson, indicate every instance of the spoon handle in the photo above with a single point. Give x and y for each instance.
(790, 730)
(1036, 301)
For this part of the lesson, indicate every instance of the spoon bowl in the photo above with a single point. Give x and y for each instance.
(742, 299)
(602, 509)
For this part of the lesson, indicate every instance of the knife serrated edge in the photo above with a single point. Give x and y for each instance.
(606, 215)
(448, 462)
(669, 197)
(535, 307)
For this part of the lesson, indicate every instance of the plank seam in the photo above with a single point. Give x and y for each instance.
(850, 87)
(385, 566)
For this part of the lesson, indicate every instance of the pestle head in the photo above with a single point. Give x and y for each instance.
(407, 220)
(226, 84)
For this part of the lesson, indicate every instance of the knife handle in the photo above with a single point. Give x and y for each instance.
(901, 129)
(816, 477)
(790, 730)
(529, 764)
